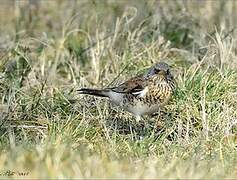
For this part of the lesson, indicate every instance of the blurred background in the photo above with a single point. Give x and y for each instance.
(73, 28)
(31, 17)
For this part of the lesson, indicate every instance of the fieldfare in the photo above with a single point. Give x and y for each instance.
(143, 94)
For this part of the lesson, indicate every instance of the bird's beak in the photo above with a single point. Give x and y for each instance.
(162, 73)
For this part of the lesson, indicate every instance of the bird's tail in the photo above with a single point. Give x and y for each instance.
(95, 92)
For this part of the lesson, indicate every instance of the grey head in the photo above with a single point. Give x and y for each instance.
(160, 68)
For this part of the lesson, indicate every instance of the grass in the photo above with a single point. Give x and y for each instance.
(49, 49)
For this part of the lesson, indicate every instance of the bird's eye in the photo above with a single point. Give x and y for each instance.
(157, 71)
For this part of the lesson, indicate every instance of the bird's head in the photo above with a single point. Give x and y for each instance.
(161, 69)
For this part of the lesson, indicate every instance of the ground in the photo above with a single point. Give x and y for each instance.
(49, 49)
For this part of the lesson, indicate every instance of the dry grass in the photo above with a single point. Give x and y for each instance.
(48, 49)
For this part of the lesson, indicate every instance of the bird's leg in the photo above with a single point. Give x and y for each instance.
(141, 121)
(138, 118)
(159, 125)
(158, 117)
(143, 126)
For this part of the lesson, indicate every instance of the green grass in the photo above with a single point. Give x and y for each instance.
(50, 49)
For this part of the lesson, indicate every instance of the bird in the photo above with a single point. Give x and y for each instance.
(144, 94)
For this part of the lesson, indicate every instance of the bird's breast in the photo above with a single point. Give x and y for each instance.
(140, 108)
(159, 93)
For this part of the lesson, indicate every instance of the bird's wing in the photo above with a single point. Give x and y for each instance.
(133, 86)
